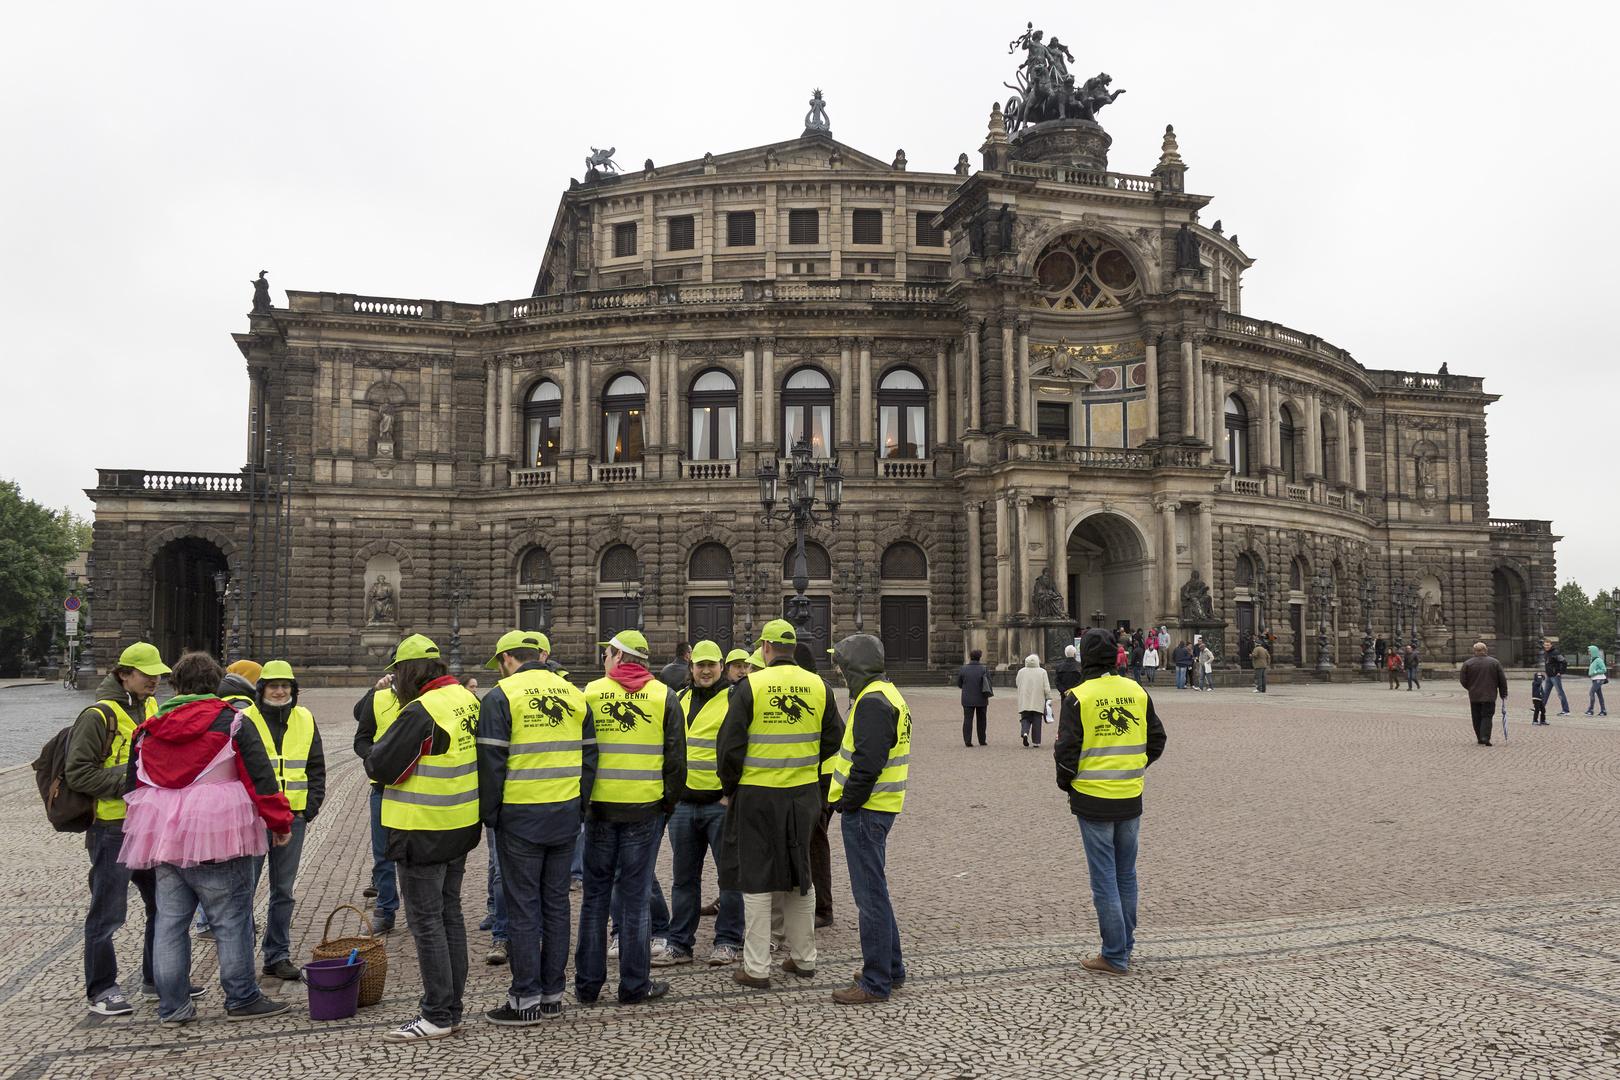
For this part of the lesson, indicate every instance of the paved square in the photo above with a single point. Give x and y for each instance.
(1336, 881)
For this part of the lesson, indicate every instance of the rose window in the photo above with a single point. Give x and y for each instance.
(1084, 272)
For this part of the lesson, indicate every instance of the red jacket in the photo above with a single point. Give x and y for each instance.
(176, 745)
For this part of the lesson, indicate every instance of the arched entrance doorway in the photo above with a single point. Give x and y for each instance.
(186, 613)
(1108, 571)
(1508, 603)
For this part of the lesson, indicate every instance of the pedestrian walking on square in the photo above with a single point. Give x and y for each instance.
(1599, 672)
(640, 772)
(427, 761)
(780, 725)
(1137, 652)
(1484, 678)
(1538, 701)
(293, 743)
(1066, 676)
(537, 756)
(1206, 664)
(869, 791)
(204, 801)
(1554, 665)
(1394, 666)
(1261, 659)
(373, 715)
(1108, 735)
(1033, 693)
(1380, 650)
(97, 765)
(695, 826)
(974, 679)
(1182, 657)
(1414, 667)
(1150, 664)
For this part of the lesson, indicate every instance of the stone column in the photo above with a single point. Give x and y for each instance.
(490, 395)
(1361, 453)
(975, 588)
(1057, 546)
(1188, 394)
(505, 386)
(866, 392)
(1313, 435)
(1217, 417)
(1204, 544)
(846, 391)
(1200, 394)
(1025, 397)
(1268, 407)
(672, 414)
(1002, 557)
(975, 378)
(1152, 341)
(1022, 585)
(584, 433)
(750, 435)
(655, 383)
(961, 410)
(767, 393)
(1009, 373)
(567, 436)
(1342, 415)
(1168, 563)
(942, 399)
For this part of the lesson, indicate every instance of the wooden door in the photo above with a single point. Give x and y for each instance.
(614, 614)
(1296, 623)
(904, 630)
(709, 618)
(1245, 629)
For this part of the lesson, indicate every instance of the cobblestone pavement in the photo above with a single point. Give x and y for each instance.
(1336, 881)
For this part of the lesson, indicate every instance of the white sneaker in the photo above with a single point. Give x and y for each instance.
(613, 949)
(416, 1030)
(724, 954)
(666, 955)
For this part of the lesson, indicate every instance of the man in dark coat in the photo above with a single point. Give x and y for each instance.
(974, 679)
(1482, 674)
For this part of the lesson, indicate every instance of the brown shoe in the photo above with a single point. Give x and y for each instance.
(710, 909)
(794, 969)
(1097, 963)
(855, 995)
(748, 980)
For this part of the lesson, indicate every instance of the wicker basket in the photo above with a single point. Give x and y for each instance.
(371, 949)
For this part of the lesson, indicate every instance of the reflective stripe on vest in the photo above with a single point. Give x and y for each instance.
(442, 791)
(702, 735)
(629, 741)
(889, 792)
(784, 735)
(118, 756)
(544, 756)
(290, 760)
(1113, 730)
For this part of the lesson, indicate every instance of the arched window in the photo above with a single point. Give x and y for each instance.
(619, 562)
(542, 418)
(1237, 437)
(904, 561)
(1243, 573)
(1330, 464)
(1286, 439)
(534, 603)
(709, 562)
(807, 406)
(1296, 574)
(535, 567)
(623, 408)
(714, 417)
(902, 415)
(816, 560)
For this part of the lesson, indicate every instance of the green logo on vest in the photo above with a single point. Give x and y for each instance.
(553, 708)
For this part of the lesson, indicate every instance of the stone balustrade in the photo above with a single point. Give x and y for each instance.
(531, 478)
(713, 469)
(905, 468)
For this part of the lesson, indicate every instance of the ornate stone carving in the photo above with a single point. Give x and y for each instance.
(815, 121)
(1195, 600)
(1045, 599)
(382, 605)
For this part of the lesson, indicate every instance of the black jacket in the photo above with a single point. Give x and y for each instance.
(1066, 676)
(971, 680)
(675, 674)
(1553, 662)
(1097, 655)
(391, 757)
(875, 722)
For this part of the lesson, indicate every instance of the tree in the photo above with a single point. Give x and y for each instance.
(35, 545)
(1582, 622)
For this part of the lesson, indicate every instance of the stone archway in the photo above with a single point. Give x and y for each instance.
(1108, 571)
(186, 614)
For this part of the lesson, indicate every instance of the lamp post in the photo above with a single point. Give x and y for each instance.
(638, 588)
(1611, 604)
(1322, 596)
(48, 610)
(1414, 597)
(1396, 603)
(1261, 589)
(862, 576)
(749, 586)
(455, 620)
(228, 588)
(541, 591)
(94, 592)
(1369, 598)
(801, 513)
(1097, 618)
(1538, 608)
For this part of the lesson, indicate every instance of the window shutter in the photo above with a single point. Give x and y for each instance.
(904, 561)
(682, 233)
(868, 227)
(740, 228)
(804, 227)
(624, 240)
(927, 235)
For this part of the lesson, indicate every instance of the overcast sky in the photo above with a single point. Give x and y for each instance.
(1413, 179)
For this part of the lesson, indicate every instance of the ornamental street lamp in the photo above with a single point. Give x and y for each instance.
(540, 591)
(1097, 618)
(1322, 596)
(453, 594)
(638, 588)
(1538, 608)
(93, 592)
(228, 588)
(1261, 589)
(1611, 604)
(800, 512)
(862, 577)
(1414, 597)
(750, 586)
(1369, 599)
(1397, 603)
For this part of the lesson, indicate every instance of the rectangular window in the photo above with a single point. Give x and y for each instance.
(740, 228)
(545, 433)
(804, 226)
(624, 240)
(682, 233)
(868, 227)
(1052, 421)
(927, 235)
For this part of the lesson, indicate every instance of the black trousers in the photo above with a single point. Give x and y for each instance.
(821, 855)
(1484, 713)
(968, 712)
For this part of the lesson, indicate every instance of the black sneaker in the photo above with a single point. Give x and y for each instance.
(507, 1016)
(258, 1008)
(382, 926)
(655, 990)
(550, 1010)
(149, 990)
(114, 1004)
(283, 969)
(369, 892)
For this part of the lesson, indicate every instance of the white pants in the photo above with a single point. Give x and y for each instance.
(798, 925)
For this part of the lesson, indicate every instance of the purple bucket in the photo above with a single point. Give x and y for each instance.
(334, 988)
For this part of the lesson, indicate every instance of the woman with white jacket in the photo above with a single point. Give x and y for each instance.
(1033, 693)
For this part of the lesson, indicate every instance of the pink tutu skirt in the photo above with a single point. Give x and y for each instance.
(205, 822)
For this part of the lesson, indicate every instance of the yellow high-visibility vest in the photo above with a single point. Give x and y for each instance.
(442, 791)
(290, 760)
(114, 809)
(1113, 728)
(784, 734)
(544, 754)
(629, 741)
(702, 733)
(889, 792)
(384, 709)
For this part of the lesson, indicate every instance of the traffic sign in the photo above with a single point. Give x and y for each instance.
(71, 603)
(70, 623)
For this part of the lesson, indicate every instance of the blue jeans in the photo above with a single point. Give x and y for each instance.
(1414, 674)
(1181, 677)
(1206, 681)
(1596, 696)
(283, 875)
(1260, 679)
(694, 828)
(495, 902)
(109, 906)
(432, 893)
(626, 850)
(1149, 671)
(1111, 860)
(534, 888)
(576, 869)
(227, 888)
(384, 878)
(1556, 682)
(657, 907)
(1136, 673)
(866, 839)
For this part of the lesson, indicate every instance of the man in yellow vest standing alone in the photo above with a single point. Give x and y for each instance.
(427, 761)
(294, 745)
(1108, 734)
(868, 789)
(640, 772)
(536, 762)
(780, 725)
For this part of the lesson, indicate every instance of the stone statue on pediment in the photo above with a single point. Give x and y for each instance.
(1195, 601)
(1048, 601)
(815, 121)
(261, 294)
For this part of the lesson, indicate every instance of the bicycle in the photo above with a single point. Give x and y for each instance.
(70, 674)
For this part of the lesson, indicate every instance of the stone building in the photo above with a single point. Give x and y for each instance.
(1036, 372)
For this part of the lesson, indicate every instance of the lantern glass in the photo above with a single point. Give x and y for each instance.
(767, 486)
(832, 483)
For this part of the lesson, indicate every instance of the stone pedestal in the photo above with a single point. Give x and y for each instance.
(1056, 635)
(1080, 143)
(1214, 631)
(385, 449)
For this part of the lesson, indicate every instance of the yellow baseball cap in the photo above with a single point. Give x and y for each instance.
(143, 658)
(629, 642)
(415, 647)
(706, 650)
(779, 632)
(735, 655)
(758, 659)
(248, 669)
(277, 669)
(518, 639)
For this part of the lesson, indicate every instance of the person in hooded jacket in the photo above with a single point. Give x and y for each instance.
(1599, 671)
(1108, 735)
(203, 800)
(293, 742)
(1033, 694)
(236, 689)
